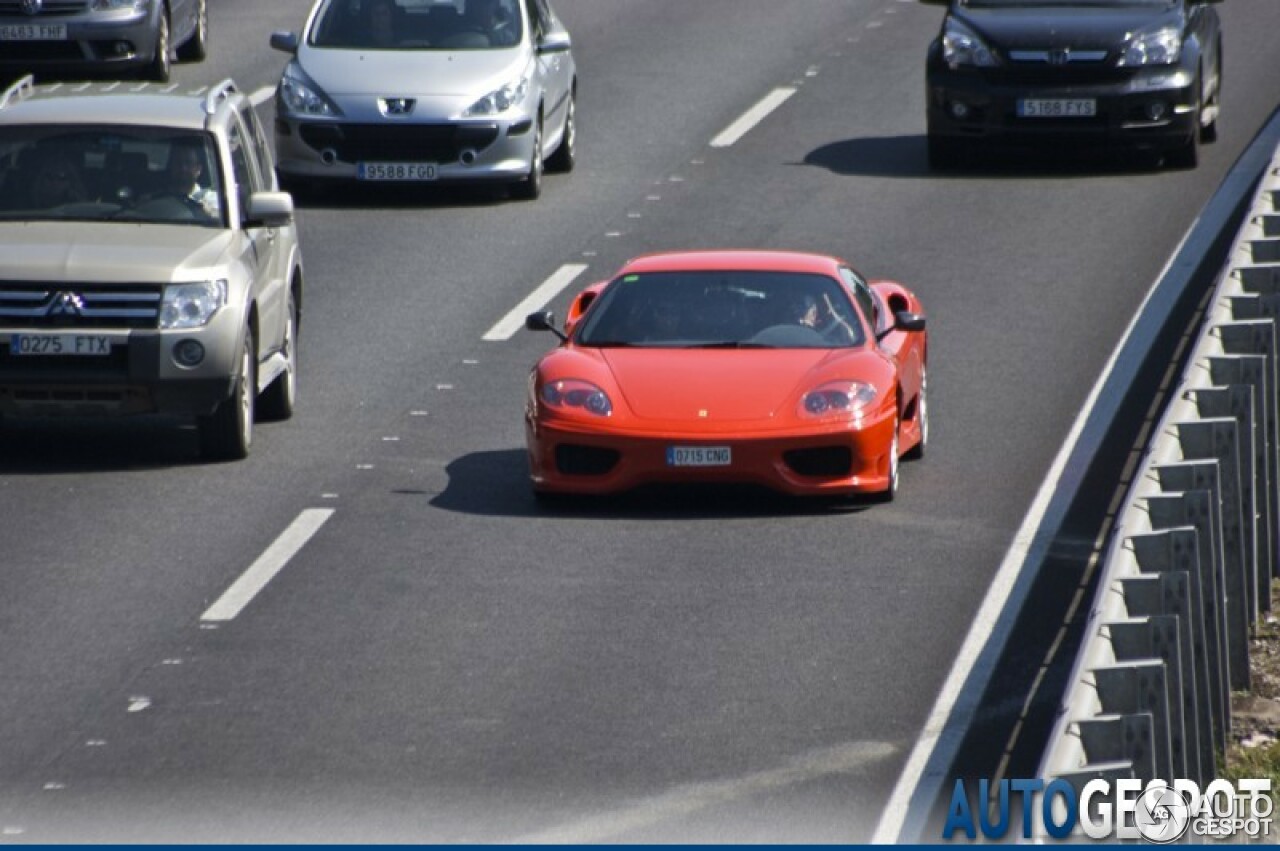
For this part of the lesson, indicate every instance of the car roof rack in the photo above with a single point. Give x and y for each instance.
(217, 95)
(22, 90)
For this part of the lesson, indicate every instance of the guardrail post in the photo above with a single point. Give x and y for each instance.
(1254, 278)
(1173, 593)
(1238, 402)
(1156, 637)
(1216, 439)
(1197, 508)
(1128, 688)
(1264, 250)
(1116, 739)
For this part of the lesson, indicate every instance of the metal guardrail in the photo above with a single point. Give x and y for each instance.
(1196, 543)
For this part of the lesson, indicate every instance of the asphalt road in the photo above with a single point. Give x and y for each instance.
(446, 661)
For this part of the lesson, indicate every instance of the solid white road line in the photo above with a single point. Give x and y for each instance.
(271, 562)
(752, 117)
(262, 95)
(508, 325)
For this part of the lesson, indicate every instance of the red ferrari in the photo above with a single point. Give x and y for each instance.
(778, 368)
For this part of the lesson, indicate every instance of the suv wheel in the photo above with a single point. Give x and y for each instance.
(278, 400)
(227, 433)
(197, 46)
(158, 70)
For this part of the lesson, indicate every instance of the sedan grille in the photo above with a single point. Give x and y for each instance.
(71, 306)
(437, 143)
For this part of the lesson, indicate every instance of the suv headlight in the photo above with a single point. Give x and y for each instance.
(512, 94)
(1161, 47)
(300, 96)
(962, 46)
(191, 305)
(112, 5)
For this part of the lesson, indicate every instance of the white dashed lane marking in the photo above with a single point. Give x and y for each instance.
(508, 325)
(752, 117)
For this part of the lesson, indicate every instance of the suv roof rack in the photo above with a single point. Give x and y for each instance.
(22, 90)
(217, 95)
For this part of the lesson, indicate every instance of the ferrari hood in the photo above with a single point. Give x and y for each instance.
(710, 385)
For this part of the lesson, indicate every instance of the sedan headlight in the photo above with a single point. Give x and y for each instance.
(1162, 47)
(962, 46)
(191, 305)
(113, 5)
(299, 96)
(837, 399)
(572, 393)
(512, 94)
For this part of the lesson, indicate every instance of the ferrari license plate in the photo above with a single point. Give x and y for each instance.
(33, 32)
(80, 345)
(1057, 108)
(699, 456)
(396, 171)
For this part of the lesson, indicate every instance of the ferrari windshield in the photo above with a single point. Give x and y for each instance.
(722, 310)
(90, 173)
(418, 24)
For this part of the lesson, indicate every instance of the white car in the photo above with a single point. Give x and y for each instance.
(426, 90)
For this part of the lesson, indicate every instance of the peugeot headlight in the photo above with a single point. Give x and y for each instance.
(113, 5)
(837, 399)
(962, 46)
(1161, 47)
(512, 94)
(300, 96)
(573, 393)
(191, 305)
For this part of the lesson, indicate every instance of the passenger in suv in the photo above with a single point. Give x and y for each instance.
(172, 285)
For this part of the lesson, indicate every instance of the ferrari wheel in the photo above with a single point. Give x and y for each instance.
(888, 494)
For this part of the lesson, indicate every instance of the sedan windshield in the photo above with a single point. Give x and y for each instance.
(722, 310)
(126, 173)
(418, 24)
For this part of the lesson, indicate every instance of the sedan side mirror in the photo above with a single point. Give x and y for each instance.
(285, 41)
(555, 42)
(543, 320)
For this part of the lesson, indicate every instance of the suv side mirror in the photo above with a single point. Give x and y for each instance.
(285, 41)
(555, 42)
(269, 210)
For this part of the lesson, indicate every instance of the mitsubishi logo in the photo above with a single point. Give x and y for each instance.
(66, 304)
(32, 7)
(396, 106)
(1059, 56)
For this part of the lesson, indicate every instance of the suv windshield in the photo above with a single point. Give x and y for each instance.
(89, 173)
(418, 24)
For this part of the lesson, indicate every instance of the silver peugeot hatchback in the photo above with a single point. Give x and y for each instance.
(426, 90)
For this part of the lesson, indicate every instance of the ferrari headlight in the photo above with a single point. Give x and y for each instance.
(962, 46)
(837, 399)
(191, 305)
(1161, 47)
(512, 94)
(572, 393)
(299, 96)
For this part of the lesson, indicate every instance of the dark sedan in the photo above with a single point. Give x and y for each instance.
(1139, 73)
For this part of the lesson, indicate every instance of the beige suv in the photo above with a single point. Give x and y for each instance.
(151, 265)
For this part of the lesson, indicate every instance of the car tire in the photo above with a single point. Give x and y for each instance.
(944, 154)
(565, 157)
(530, 187)
(895, 465)
(1187, 155)
(1209, 132)
(227, 433)
(195, 48)
(280, 398)
(160, 66)
(922, 418)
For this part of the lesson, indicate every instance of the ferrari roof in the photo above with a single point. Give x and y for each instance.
(733, 260)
